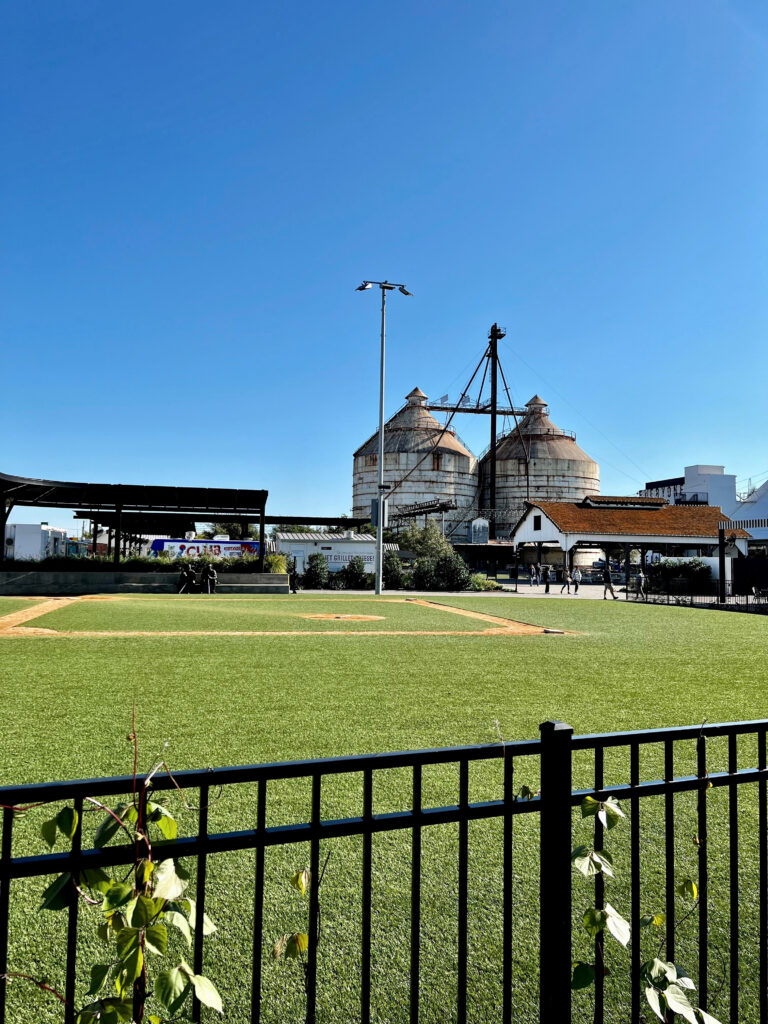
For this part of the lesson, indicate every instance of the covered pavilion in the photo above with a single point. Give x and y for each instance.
(607, 522)
(130, 510)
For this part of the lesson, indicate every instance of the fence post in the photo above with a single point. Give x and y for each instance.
(555, 868)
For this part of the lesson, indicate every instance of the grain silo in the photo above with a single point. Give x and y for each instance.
(537, 460)
(431, 462)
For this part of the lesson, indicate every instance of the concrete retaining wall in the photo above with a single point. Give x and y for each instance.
(49, 584)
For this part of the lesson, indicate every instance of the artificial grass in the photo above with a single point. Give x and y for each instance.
(233, 700)
(193, 612)
(16, 604)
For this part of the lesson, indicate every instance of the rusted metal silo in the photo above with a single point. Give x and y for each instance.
(433, 461)
(537, 460)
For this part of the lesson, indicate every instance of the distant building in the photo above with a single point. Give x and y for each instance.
(701, 485)
(711, 485)
(338, 549)
(34, 541)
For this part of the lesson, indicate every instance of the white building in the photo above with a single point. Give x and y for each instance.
(711, 485)
(34, 541)
(338, 549)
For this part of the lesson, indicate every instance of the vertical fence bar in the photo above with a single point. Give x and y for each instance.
(669, 844)
(555, 870)
(763, 870)
(72, 912)
(5, 894)
(461, 1003)
(599, 896)
(314, 904)
(509, 799)
(197, 952)
(258, 904)
(634, 869)
(416, 894)
(733, 869)
(365, 987)
(701, 814)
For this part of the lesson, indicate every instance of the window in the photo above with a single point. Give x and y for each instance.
(537, 522)
(371, 460)
(437, 462)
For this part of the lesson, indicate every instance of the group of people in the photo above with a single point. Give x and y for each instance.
(190, 584)
(544, 573)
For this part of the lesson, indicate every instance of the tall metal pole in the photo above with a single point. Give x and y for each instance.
(495, 333)
(380, 497)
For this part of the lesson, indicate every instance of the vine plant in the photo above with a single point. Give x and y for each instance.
(136, 910)
(667, 985)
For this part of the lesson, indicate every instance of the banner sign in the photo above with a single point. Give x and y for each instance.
(208, 548)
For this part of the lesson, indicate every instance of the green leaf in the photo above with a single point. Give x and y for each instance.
(67, 820)
(117, 895)
(99, 974)
(206, 992)
(591, 862)
(58, 894)
(182, 870)
(589, 807)
(127, 940)
(704, 1018)
(617, 926)
(130, 969)
(144, 871)
(156, 939)
(104, 931)
(687, 888)
(656, 1001)
(95, 878)
(301, 880)
(653, 920)
(208, 926)
(172, 988)
(526, 793)
(296, 944)
(679, 1002)
(48, 831)
(583, 975)
(164, 820)
(177, 919)
(168, 884)
(108, 827)
(610, 813)
(594, 921)
(140, 911)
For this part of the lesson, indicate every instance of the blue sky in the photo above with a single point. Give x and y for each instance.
(190, 192)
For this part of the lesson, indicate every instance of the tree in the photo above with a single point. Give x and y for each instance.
(236, 531)
(316, 574)
(451, 572)
(356, 576)
(392, 570)
(427, 542)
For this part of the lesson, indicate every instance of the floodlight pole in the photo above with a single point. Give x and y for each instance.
(385, 286)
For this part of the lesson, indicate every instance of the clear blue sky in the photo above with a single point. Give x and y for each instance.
(190, 192)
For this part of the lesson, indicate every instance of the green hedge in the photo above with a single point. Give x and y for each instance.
(137, 564)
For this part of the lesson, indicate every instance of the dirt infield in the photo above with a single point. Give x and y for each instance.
(12, 625)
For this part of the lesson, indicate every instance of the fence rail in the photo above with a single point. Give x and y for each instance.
(553, 754)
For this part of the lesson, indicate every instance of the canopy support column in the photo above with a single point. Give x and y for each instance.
(118, 537)
(261, 540)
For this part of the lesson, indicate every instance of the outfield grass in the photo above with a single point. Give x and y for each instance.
(16, 604)
(230, 700)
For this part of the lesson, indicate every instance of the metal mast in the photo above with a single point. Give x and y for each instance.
(494, 336)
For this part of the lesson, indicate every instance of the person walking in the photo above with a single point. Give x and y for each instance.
(608, 583)
(532, 571)
(576, 580)
(538, 574)
(640, 583)
(545, 570)
(566, 581)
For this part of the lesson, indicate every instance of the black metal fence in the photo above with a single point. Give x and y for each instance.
(553, 757)
(686, 597)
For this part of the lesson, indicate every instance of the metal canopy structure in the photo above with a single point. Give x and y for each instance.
(197, 504)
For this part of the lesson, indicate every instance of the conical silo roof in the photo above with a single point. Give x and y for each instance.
(538, 437)
(413, 428)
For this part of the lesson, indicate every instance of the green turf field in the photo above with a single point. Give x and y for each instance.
(239, 699)
(16, 604)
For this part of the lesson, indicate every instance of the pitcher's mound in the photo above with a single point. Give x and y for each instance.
(347, 618)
